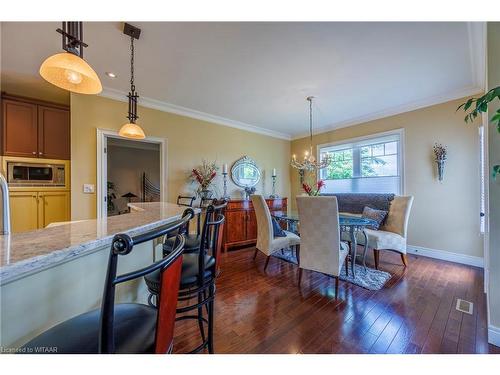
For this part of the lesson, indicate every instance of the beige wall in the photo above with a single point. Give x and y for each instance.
(189, 140)
(445, 216)
(494, 186)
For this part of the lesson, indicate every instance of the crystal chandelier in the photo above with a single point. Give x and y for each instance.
(309, 162)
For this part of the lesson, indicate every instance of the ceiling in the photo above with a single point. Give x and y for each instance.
(256, 76)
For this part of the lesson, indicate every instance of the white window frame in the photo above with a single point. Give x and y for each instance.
(401, 150)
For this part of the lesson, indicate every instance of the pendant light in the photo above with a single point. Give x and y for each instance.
(309, 163)
(131, 129)
(68, 70)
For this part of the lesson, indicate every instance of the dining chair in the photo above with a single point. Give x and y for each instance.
(392, 235)
(321, 249)
(131, 328)
(185, 200)
(266, 242)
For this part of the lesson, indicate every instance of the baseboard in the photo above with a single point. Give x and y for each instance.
(494, 335)
(446, 255)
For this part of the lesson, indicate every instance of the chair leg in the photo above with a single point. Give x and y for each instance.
(346, 266)
(200, 316)
(336, 287)
(211, 294)
(255, 254)
(376, 255)
(267, 262)
(404, 258)
(300, 276)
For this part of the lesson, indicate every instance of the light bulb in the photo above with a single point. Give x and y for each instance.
(294, 157)
(72, 76)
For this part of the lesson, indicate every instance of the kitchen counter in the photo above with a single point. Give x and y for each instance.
(23, 254)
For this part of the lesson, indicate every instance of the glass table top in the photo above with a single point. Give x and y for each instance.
(344, 219)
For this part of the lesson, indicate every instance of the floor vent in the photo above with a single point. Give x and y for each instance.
(464, 306)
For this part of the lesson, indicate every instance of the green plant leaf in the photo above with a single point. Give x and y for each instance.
(496, 171)
(468, 104)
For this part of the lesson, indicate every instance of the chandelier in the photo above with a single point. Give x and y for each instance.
(309, 162)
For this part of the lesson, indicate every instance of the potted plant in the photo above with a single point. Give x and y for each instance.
(481, 106)
(204, 176)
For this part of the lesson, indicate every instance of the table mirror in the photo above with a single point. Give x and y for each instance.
(245, 172)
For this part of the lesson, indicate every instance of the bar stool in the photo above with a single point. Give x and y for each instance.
(198, 275)
(125, 327)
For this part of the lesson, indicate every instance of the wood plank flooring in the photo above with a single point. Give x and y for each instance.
(266, 312)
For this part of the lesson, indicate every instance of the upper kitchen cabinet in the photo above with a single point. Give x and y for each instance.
(36, 129)
(53, 133)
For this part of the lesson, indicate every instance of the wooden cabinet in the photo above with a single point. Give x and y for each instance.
(20, 137)
(23, 210)
(53, 133)
(240, 227)
(35, 129)
(53, 206)
(32, 210)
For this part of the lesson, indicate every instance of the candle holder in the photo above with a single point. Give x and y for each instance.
(225, 196)
(274, 195)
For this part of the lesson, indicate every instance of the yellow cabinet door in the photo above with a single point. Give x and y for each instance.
(54, 206)
(23, 210)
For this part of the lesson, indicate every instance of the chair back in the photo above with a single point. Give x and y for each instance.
(185, 200)
(170, 268)
(319, 234)
(264, 224)
(398, 216)
(211, 238)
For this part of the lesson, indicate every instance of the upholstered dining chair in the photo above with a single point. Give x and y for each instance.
(320, 247)
(392, 235)
(266, 242)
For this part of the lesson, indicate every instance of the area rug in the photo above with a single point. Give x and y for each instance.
(368, 278)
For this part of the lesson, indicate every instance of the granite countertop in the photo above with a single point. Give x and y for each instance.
(22, 254)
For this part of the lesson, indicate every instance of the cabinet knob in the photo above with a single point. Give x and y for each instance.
(34, 152)
(40, 153)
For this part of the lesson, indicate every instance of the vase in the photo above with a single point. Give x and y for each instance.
(440, 166)
(205, 194)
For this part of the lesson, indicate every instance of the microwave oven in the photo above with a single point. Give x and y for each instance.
(35, 174)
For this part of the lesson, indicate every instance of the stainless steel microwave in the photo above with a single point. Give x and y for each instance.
(35, 174)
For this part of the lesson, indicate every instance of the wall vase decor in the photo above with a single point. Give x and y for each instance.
(440, 153)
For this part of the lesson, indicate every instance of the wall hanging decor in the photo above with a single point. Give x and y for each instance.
(440, 157)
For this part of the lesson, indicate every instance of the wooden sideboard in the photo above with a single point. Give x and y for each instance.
(240, 228)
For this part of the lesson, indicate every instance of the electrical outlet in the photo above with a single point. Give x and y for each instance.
(88, 188)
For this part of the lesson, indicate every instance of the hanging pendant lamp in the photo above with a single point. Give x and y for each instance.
(131, 129)
(309, 162)
(68, 70)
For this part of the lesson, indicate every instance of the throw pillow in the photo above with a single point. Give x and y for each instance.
(277, 231)
(378, 216)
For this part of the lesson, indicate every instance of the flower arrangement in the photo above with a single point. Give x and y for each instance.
(439, 151)
(204, 174)
(313, 191)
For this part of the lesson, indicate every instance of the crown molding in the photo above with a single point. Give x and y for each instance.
(476, 32)
(396, 110)
(183, 111)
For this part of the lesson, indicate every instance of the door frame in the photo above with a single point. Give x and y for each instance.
(102, 167)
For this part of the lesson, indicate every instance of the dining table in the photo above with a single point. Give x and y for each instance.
(348, 223)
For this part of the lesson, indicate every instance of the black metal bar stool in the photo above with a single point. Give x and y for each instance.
(199, 271)
(126, 327)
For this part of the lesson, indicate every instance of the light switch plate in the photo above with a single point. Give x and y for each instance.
(88, 188)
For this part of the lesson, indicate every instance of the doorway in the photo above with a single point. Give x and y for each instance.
(129, 170)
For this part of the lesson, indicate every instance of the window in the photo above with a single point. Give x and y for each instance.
(364, 165)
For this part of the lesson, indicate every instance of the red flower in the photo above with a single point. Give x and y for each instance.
(306, 188)
(320, 184)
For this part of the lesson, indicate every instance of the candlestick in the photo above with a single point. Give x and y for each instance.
(224, 174)
(224, 168)
(274, 172)
(274, 195)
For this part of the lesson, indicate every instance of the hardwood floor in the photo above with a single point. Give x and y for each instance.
(266, 312)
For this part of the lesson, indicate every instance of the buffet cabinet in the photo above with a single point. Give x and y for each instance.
(240, 228)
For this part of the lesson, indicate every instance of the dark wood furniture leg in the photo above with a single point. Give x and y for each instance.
(300, 275)
(255, 254)
(336, 287)
(267, 262)
(376, 255)
(404, 258)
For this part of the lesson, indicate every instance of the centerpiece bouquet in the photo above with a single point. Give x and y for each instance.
(204, 175)
(313, 190)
